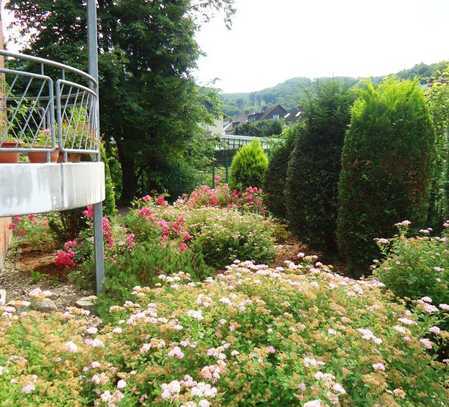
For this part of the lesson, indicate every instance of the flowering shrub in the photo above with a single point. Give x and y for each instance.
(79, 251)
(32, 231)
(225, 236)
(251, 199)
(415, 267)
(298, 335)
(219, 234)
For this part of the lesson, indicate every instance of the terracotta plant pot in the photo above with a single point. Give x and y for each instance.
(74, 157)
(8, 158)
(41, 157)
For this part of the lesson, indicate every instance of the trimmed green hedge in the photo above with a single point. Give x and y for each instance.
(387, 168)
(314, 167)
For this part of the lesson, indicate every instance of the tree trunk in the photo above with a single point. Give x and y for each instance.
(129, 177)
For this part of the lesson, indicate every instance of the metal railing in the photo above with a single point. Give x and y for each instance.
(234, 142)
(53, 108)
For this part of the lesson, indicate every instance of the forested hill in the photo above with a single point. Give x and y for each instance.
(291, 92)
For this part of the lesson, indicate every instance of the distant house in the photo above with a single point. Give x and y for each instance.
(293, 115)
(230, 126)
(269, 113)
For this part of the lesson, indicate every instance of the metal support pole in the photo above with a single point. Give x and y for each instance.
(98, 208)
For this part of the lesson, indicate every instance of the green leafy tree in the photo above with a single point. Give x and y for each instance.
(274, 185)
(315, 165)
(387, 168)
(249, 166)
(150, 105)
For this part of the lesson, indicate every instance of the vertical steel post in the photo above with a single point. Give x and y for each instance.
(98, 208)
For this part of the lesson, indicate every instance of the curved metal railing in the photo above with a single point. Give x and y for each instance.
(53, 108)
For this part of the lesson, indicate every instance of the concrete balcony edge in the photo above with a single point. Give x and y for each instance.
(40, 188)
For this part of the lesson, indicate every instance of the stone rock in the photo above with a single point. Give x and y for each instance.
(20, 305)
(87, 303)
(43, 305)
(2, 297)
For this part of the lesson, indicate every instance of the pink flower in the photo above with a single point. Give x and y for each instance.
(71, 244)
(183, 247)
(130, 240)
(107, 231)
(176, 352)
(426, 343)
(160, 201)
(146, 213)
(65, 259)
(146, 198)
(89, 212)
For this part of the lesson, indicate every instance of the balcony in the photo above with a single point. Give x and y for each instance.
(49, 137)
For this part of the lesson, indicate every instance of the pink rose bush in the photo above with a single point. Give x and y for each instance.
(297, 335)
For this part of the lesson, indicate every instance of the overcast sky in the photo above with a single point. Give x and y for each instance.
(274, 40)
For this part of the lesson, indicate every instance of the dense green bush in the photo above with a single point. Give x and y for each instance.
(415, 267)
(315, 164)
(438, 101)
(274, 184)
(224, 236)
(249, 166)
(387, 168)
(253, 336)
(142, 267)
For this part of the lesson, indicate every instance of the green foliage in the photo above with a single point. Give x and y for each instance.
(295, 90)
(254, 336)
(249, 166)
(262, 128)
(416, 267)
(288, 94)
(387, 167)
(438, 101)
(315, 165)
(109, 203)
(226, 235)
(67, 225)
(32, 232)
(143, 266)
(274, 185)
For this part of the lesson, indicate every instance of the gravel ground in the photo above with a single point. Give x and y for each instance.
(18, 279)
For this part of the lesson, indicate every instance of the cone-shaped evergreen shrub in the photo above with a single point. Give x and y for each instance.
(387, 168)
(438, 101)
(274, 185)
(314, 168)
(249, 166)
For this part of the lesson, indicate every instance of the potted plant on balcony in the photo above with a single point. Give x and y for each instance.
(43, 140)
(8, 157)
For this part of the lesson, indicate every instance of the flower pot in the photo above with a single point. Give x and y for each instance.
(41, 157)
(8, 158)
(74, 157)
